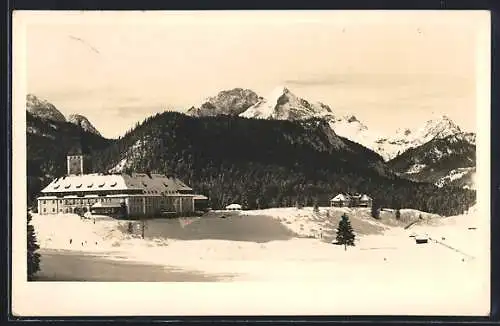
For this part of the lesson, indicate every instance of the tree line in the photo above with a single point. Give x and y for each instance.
(262, 163)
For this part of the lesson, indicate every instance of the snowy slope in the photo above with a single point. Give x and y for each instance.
(463, 176)
(43, 109)
(282, 104)
(403, 139)
(227, 102)
(83, 123)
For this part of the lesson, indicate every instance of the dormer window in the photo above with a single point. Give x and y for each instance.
(101, 185)
(113, 184)
(79, 185)
(56, 186)
(67, 185)
(90, 185)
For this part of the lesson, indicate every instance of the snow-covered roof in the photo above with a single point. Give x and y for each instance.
(365, 197)
(200, 197)
(233, 206)
(344, 197)
(156, 184)
(340, 197)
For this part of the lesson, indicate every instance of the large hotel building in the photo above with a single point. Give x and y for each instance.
(121, 194)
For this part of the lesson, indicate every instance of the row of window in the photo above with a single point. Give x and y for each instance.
(81, 201)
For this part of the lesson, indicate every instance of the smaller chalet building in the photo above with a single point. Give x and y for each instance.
(351, 200)
(233, 207)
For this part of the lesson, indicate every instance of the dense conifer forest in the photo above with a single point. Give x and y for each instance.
(266, 163)
(258, 163)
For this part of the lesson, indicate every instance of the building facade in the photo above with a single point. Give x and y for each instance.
(349, 200)
(125, 195)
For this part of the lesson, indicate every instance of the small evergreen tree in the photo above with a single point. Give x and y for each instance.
(345, 233)
(33, 255)
(398, 214)
(316, 207)
(376, 209)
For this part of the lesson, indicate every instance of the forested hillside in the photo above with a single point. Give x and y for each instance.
(263, 163)
(48, 143)
(436, 159)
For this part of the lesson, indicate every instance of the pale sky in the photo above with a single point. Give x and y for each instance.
(390, 69)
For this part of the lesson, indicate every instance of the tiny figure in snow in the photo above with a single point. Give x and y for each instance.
(70, 241)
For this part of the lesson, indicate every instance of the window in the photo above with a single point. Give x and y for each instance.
(53, 210)
(53, 201)
(44, 210)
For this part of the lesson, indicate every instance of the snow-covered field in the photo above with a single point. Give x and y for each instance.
(381, 250)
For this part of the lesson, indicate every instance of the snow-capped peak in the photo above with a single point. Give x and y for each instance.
(436, 128)
(282, 104)
(439, 127)
(82, 122)
(228, 102)
(43, 108)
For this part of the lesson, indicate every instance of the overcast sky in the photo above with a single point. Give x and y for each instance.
(390, 69)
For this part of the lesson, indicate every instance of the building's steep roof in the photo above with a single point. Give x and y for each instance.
(365, 197)
(157, 184)
(340, 197)
(346, 197)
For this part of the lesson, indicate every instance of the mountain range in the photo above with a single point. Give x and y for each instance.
(45, 110)
(237, 146)
(282, 104)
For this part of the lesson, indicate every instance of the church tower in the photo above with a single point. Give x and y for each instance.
(77, 160)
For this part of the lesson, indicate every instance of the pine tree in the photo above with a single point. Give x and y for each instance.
(316, 207)
(33, 255)
(345, 234)
(398, 214)
(376, 209)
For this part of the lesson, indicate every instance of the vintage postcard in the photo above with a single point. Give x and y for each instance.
(251, 163)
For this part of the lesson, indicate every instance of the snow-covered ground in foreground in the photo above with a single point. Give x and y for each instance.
(383, 253)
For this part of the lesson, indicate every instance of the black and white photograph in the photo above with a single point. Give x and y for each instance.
(307, 162)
